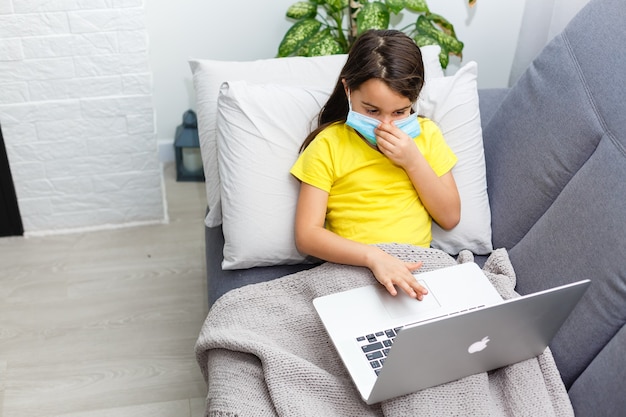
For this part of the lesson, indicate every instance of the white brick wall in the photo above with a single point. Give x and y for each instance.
(77, 114)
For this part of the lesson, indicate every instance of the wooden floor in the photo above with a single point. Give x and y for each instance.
(103, 324)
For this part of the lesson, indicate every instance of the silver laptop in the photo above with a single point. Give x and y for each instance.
(393, 346)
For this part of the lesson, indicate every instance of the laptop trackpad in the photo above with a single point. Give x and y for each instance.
(402, 305)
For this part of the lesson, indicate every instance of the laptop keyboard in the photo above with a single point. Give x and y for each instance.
(376, 346)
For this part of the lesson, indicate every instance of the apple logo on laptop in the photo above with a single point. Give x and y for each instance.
(478, 346)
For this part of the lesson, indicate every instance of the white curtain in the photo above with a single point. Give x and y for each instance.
(542, 20)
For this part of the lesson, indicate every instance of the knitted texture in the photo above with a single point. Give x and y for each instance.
(264, 352)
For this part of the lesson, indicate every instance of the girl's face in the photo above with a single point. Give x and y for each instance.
(375, 99)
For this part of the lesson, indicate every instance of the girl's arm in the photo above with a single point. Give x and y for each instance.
(313, 239)
(439, 195)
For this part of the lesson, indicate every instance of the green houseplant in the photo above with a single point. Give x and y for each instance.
(326, 27)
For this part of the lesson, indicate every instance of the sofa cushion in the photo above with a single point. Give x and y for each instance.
(556, 159)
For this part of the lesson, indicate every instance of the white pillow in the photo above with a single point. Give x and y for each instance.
(208, 76)
(260, 128)
(452, 102)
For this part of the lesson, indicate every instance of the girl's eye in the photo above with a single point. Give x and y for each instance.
(371, 111)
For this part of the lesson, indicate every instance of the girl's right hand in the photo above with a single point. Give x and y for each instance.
(391, 272)
(314, 239)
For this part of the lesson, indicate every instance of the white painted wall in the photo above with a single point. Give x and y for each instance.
(542, 21)
(77, 114)
(252, 29)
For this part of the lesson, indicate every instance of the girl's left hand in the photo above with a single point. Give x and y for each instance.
(395, 144)
(439, 194)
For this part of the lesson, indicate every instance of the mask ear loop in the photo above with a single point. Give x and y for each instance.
(349, 100)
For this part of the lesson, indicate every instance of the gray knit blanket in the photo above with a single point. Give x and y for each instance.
(264, 352)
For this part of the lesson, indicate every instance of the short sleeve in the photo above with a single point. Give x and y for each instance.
(314, 165)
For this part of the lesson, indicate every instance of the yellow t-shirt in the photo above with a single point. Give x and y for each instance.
(371, 200)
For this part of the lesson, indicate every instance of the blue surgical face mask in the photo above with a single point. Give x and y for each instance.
(366, 125)
(363, 124)
(409, 125)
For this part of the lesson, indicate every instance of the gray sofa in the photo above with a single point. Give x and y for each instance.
(555, 150)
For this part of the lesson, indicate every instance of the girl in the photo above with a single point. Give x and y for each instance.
(374, 172)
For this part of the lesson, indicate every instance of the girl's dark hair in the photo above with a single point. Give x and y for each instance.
(388, 55)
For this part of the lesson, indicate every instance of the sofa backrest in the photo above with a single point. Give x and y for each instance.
(556, 173)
